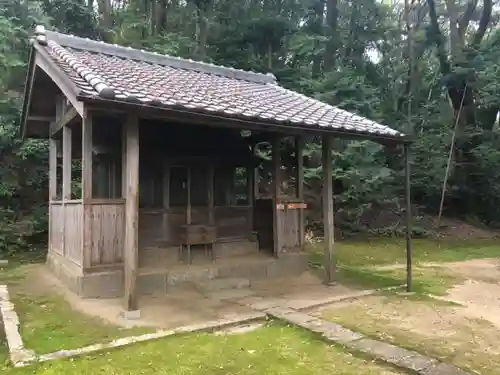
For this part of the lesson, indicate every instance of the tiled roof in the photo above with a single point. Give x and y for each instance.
(107, 71)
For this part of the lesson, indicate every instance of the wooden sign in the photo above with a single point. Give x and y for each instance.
(295, 206)
(290, 206)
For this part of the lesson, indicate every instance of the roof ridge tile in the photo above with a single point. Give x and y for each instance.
(128, 52)
(93, 79)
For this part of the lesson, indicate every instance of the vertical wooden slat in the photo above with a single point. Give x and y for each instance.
(87, 189)
(210, 178)
(275, 194)
(328, 207)
(299, 144)
(131, 255)
(166, 200)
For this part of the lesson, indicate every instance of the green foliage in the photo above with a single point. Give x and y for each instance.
(354, 56)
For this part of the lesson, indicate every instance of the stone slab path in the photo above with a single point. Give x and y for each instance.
(355, 341)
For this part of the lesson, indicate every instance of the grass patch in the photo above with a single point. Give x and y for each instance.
(384, 251)
(271, 350)
(48, 323)
(360, 264)
(427, 326)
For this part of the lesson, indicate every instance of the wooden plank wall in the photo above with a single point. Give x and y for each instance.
(231, 222)
(65, 228)
(288, 229)
(108, 220)
(56, 227)
(73, 220)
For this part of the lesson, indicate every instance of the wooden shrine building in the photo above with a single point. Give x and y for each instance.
(156, 167)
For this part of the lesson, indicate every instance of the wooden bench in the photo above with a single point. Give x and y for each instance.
(197, 234)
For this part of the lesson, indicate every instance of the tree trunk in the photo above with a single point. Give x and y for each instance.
(332, 15)
(316, 27)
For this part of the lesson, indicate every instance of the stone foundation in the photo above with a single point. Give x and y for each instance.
(109, 284)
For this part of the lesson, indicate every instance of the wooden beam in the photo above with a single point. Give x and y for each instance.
(41, 118)
(299, 152)
(67, 87)
(64, 120)
(328, 219)
(276, 192)
(87, 189)
(131, 250)
(66, 181)
(216, 120)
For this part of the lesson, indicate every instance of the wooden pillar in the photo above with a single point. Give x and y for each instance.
(276, 193)
(408, 219)
(52, 169)
(52, 183)
(166, 200)
(188, 187)
(328, 222)
(87, 189)
(210, 184)
(299, 152)
(256, 175)
(66, 179)
(131, 244)
(250, 172)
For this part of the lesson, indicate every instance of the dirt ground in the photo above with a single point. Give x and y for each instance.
(187, 305)
(462, 327)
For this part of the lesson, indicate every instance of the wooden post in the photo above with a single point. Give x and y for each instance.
(66, 179)
(52, 169)
(87, 189)
(66, 187)
(276, 193)
(250, 171)
(166, 199)
(52, 183)
(131, 244)
(328, 221)
(408, 219)
(256, 175)
(299, 152)
(188, 187)
(210, 182)
(124, 162)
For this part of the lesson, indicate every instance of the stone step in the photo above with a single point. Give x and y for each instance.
(222, 284)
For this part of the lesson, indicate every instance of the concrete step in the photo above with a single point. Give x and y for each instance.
(209, 286)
